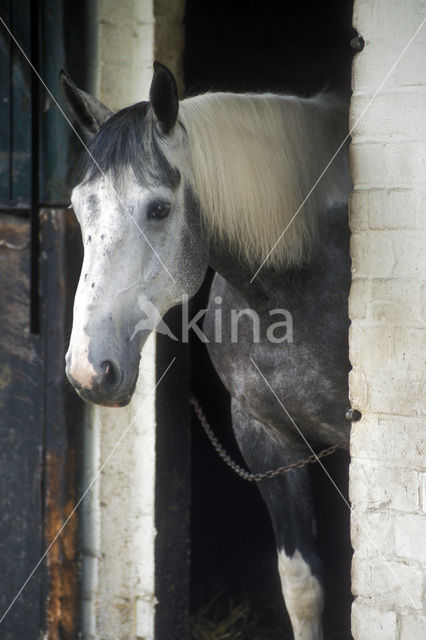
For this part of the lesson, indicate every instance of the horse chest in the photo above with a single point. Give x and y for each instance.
(299, 369)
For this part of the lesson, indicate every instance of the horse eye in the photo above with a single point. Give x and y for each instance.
(158, 210)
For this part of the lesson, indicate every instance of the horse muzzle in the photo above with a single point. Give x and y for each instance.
(106, 384)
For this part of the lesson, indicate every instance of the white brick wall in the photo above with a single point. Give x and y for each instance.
(387, 307)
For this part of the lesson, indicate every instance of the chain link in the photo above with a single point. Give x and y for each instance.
(243, 473)
(14, 247)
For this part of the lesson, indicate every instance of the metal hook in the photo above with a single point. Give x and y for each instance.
(353, 415)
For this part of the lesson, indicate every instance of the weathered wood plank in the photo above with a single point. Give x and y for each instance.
(40, 419)
(21, 436)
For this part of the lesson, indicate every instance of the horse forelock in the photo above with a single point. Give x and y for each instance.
(129, 139)
(255, 158)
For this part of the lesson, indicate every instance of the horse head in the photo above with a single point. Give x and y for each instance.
(144, 242)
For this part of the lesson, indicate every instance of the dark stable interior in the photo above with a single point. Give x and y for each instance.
(257, 45)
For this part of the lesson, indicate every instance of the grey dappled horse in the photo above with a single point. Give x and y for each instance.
(171, 187)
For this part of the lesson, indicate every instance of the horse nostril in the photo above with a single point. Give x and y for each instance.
(111, 374)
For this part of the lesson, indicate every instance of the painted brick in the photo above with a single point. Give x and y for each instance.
(376, 341)
(399, 253)
(358, 210)
(374, 487)
(422, 489)
(399, 441)
(125, 51)
(388, 164)
(393, 208)
(400, 300)
(359, 299)
(384, 209)
(410, 536)
(410, 350)
(399, 354)
(388, 16)
(371, 66)
(392, 362)
(374, 70)
(372, 532)
(421, 211)
(395, 393)
(413, 628)
(389, 115)
(371, 255)
(388, 311)
(412, 69)
(387, 26)
(393, 585)
(369, 623)
(410, 254)
(358, 389)
(423, 302)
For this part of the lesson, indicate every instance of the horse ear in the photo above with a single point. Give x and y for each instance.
(88, 111)
(163, 96)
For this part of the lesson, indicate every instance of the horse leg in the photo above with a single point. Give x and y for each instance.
(289, 502)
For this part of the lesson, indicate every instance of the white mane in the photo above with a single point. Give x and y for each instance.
(255, 158)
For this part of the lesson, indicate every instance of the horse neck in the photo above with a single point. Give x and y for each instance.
(331, 260)
(232, 267)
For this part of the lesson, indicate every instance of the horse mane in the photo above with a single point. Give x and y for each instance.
(255, 157)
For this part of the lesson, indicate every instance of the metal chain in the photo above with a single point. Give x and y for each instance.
(243, 473)
(14, 247)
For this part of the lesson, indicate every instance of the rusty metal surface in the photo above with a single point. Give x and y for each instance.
(63, 419)
(62, 560)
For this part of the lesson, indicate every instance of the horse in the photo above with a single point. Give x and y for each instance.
(169, 187)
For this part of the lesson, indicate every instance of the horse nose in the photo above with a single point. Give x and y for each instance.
(101, 386)
(110, 376)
